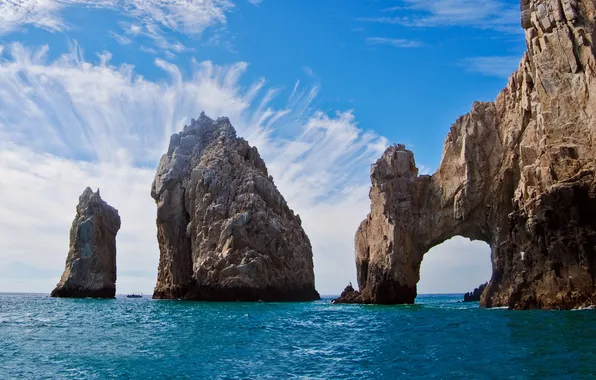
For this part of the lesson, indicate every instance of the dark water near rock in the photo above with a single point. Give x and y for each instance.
(438, 338)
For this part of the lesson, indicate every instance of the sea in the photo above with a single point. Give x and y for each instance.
(437, 338)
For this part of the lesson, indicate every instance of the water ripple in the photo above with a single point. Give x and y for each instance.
(42, 337)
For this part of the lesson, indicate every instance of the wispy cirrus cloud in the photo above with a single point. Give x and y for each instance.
(71, 122)
(122, 40)
(483, 14)
(190, 17)
(183, 16)
(395, 42)
(43, 14)
(495, 66)
(148, 18)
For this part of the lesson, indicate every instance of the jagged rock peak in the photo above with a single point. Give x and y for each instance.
(396, 161)
(191, 142)
(517, 173)
(206, 124)
(474, 296)
(225, 232)
(90, 269)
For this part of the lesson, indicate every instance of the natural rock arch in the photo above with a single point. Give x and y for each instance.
(411, 214)
(517, 173)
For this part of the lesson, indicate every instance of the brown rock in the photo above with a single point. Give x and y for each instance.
(91, 262)
(517, 173)
(225, 232)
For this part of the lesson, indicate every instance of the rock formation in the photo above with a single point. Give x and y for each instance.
(349, 295)
(517, 173)
(474, 296)
(91, 262)
(225, 232)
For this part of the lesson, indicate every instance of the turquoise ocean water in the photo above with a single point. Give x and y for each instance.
(439, 338)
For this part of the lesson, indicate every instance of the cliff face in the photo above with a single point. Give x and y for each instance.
(517, 173)
(91, 262)
(225, 232)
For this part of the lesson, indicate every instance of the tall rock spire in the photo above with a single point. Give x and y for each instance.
(91, 261)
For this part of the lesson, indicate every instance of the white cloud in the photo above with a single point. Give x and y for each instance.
(70, 123)
(255, 2)
(308, 71)
(41, 13)
(122, 40)
(496, 66)
(149, 50)
(393, 9)
(191, 17)
(148, 18)
(184, 16)
(395, 42)
(483, 14)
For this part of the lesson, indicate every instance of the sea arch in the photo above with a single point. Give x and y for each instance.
(518, 173)
(411, 213)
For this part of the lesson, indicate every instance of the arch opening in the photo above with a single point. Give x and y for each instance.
(455, 266)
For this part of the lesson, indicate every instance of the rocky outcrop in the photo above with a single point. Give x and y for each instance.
(225, 232)
(517, 173)
(349, 295)
(474, 296)
(91, 262)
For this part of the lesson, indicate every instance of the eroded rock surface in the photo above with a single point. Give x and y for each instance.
(474, 296)
(517, 173)
(225, 232)
(91, 262)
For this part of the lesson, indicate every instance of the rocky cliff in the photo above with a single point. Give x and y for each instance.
(91, 262)
(225, 232)
(517, 173)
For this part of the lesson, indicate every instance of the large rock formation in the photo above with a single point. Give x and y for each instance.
(517, 173)
(91, 262)
(225, 232)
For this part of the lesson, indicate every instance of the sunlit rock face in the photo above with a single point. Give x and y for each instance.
(91, 261)
(225, 232)
(517, 173)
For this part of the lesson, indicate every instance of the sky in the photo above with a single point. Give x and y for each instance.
(90, 92)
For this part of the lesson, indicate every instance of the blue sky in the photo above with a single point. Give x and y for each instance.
(93, 89)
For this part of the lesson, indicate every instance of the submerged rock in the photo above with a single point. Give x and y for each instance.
(91, 262)
(225, 232)
(474, 296)
(517, 173)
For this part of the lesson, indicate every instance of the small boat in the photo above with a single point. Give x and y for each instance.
(134, 296)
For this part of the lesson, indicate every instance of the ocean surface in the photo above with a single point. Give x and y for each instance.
(438, 338)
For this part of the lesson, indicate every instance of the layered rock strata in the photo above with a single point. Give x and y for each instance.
(517, 173)
(225, 232)
(91, 261)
